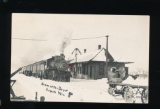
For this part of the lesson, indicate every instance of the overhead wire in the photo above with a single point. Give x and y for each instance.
(88, 38)
(29, 39)
(46, 40)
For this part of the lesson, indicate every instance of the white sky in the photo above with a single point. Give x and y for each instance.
(128, 36)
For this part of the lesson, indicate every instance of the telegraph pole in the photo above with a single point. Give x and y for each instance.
(107, 56)
(76, 50)
(76, 62)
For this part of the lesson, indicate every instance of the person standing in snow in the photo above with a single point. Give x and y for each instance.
(123, 74)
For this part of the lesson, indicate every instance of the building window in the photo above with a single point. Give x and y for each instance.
(79, 70)
(101, 68)
(74, 68)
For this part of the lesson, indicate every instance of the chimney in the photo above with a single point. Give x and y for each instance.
(99, 47)
(85, 50)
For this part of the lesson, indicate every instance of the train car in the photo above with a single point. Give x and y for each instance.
(40, 68)
(28, 70)
(23, 70)
(34, 69)
(54, 68)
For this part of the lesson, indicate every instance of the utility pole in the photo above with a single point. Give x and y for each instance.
(76, 50)
(107, 56)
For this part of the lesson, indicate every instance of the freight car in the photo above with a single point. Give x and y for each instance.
(27, 70)
(54, 68)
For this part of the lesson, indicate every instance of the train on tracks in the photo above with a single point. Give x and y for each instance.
(54, 68)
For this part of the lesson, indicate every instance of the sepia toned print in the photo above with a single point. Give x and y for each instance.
(80, 58)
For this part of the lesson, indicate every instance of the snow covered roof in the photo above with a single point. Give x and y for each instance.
(98, 55)
(119, 58)
(88, 56)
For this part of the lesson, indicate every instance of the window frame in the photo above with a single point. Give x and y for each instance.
(101, 68)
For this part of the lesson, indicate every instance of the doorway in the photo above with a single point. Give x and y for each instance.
(91, 72)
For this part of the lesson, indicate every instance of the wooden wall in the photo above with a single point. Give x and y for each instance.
(94, 70)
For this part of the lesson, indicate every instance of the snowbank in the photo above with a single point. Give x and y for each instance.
(82, 90)
(138, 81)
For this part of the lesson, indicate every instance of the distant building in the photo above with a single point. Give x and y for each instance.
(92, 65)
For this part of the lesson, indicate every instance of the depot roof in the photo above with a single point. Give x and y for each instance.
(99, 55)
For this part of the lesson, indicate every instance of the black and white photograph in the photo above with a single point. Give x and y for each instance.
(80, 58)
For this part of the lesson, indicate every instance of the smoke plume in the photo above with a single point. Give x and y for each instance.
(34, 51)
(66, 41)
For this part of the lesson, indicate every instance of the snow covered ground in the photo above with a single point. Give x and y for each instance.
(82, 90)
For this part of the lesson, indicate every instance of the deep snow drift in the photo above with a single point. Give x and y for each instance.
(80, 90)
(138, 81)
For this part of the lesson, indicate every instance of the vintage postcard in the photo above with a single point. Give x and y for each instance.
(80, 58)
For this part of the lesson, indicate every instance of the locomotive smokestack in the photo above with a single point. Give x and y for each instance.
(85, 50)
(56, 57)
(99, 47)
(62, 56)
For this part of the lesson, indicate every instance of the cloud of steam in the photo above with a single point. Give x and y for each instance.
(56, 43)
(66, 41)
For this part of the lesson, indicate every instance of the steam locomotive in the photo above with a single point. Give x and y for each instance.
(55, 68)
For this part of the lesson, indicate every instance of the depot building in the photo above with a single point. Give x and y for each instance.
(92, 65)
